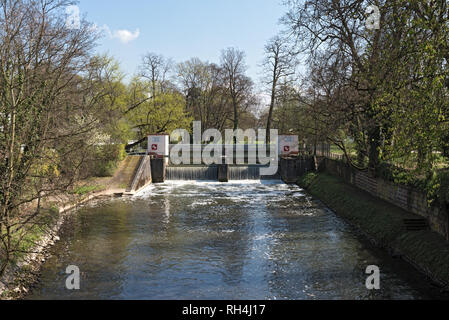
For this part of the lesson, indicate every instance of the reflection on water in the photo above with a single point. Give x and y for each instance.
(205, 240)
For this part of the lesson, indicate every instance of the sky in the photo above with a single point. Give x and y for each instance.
(183, 29)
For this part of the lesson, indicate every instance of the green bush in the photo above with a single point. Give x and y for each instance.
(435, 185)
(105, 169)
(105, 160)
(437, 188)
(400, 176)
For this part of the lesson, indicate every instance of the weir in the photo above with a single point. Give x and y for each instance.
(192, 173)
(210, 173)
(234, 162)
(249, 173)
(289, 171)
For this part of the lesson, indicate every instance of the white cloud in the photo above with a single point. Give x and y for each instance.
(126, 36)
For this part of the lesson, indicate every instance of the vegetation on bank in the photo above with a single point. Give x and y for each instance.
(383, 222)
(435, 185)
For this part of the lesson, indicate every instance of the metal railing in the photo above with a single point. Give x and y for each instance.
(324, 150)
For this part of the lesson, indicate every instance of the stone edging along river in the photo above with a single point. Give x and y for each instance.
(381, 223)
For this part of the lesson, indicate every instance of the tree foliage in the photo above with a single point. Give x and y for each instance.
(387, 88)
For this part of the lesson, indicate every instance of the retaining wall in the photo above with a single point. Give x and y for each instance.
(142, 176)
(402, 196)
(291, 169)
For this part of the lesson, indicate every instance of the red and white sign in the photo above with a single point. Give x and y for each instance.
(288, 145)
(158, 145)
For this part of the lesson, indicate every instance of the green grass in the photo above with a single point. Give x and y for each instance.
(336, 150)
(83, 190)
(382, 221)
(27, 237)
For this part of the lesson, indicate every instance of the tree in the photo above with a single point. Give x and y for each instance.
(371, 80)
(45, 115)
(163, 113)
(205, 92)
(239, 87)
(333, 34)
(154, 104)
(156, 69)
(279, 64)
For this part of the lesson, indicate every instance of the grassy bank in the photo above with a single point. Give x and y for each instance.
(383, 223)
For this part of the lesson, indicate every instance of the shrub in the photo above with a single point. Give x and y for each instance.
(398, 175)
(104, 160)
(437, 187)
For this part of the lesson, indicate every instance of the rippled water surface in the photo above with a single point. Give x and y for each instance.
(205, 240)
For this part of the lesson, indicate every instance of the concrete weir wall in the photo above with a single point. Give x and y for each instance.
(291, 169)
(404, 197)
(223, 173)
(155, 171)
(142, 176)
(158, 170)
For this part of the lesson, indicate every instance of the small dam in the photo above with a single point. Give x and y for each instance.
(210, 173)
(232, 163)
(158, 170)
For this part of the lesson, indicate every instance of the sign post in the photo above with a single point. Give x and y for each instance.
(158, 146)
(288, 145)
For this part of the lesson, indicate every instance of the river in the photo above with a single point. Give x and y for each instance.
(206, 240)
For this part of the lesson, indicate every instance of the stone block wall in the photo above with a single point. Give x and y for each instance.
(292, 168)
(402, 196)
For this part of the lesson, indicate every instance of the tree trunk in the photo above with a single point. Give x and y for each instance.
(236, 120)
(374, 145)
(270, 112)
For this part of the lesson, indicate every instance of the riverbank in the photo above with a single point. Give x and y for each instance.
(383, 224)
(24, 271)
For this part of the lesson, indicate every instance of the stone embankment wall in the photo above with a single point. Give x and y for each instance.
(404, 197)
(292, 168)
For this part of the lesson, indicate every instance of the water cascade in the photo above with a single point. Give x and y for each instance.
(209, 173)
(192, 173)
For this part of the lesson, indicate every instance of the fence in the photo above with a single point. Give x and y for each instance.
(324, 150)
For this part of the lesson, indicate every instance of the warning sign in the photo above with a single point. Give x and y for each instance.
(158, 145)
(288, 145)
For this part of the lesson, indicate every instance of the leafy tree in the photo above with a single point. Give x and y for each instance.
(47, 111)
(238, 86)
(279, 65)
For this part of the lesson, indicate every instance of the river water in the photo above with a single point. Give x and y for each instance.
(206, 240)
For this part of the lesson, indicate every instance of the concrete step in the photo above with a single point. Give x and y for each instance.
(417, 224)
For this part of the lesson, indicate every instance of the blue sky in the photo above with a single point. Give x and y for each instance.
(182, 29)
